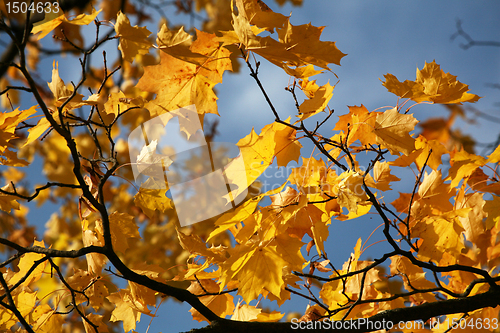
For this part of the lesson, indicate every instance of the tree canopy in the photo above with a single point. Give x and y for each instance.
(127, 232)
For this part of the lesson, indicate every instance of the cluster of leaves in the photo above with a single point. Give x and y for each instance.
(442, 232)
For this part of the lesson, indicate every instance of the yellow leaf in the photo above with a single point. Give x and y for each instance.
(257, 153)
(381, 177)
(123, 228)
(8, 124)
(245, 312)
(413, 277)
(195, 245)
(392, 130)
(492, 208)
(310, 174)
(440, 234)
(125, 310)
(36, 131)
(463, 165)
(495, 156)
(432, 84)
(259, 14)
(62, 92)
(95, 288)
(297, 46)
(273, 316)
(96, 320)
(317, 102)
(350, 191)
(152, 200)
(221, 305)
(303, 41)
(25, 302)
(133, 40)
(256, 268)
(7, 201)
(289, 250)
(47, 320)
(434, 193)
(473, 222)
(425, 146)
(302, 72)
(95, 261)
(45, 27)
(177, 44)
(177, 84)
(217, 57)
(26, 264)
(233, 217)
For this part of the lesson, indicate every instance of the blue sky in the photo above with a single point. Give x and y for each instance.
(379, 37)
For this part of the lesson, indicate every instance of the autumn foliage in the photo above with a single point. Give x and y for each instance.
(113, 251)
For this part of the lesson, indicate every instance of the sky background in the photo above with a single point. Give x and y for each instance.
(379, 37)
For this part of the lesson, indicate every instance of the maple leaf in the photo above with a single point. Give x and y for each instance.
(381, 177)
(298, 45)
(245, 312)
(123, 230)
(94, 287)
(392, 130)
(133, 40)
(231, 218)
(196, 246)
(302, 72)
(125, 309)
(429, 151)
(440, 234)
(349, 190)
(359, 123)
(257, 153)
(7, 201)
(221, 305)
(317, 102)
(25, 265)
(310, 175)
(152, 200)
(96, 320)
(473, 223)
(46, 319)
(255, 268)
(217, 56)
(494, 157)
(177, 84)
(177, 43)
(492, 208)
(25, 302)
(8, 123)
(434, 193)
(432, 84)
(303, 41)
(40, 128)
(463, 165)
(259, 14)
(413, 277)
(95, 261)
(51, 22)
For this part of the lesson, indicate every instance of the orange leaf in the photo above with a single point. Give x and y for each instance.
(432, 84)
